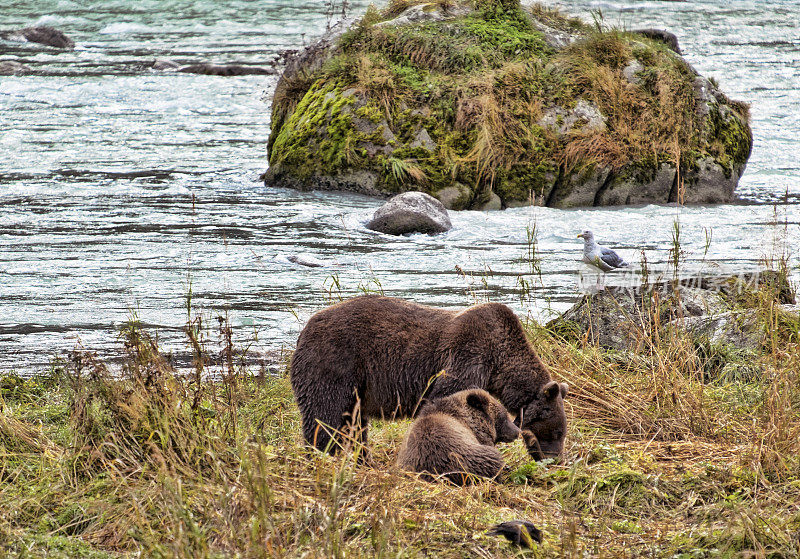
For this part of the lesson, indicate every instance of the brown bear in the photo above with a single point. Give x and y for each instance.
(455, 437)
(377, 357)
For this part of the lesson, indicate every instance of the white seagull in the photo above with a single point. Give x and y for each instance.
(599, 256)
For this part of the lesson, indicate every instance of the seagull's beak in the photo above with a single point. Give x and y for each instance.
(580, 236)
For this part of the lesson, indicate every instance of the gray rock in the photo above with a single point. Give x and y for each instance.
(363, 181)
(12, 67)
(710, 183)
(581, 188)
(584, 117)
(44, 35)
(493, 204)
(631, 70)
(706, 95)
(411, 212)
(454, 197)
(641, 187)
(163, 64)
(619, 317)
(226, 70)
(423, 140)
(738, 329)
(423, 13)
(661, 35)
(365, 126)
(554, 38)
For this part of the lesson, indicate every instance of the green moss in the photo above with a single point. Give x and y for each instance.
(525, 181)
(731, 140)
(321, 126)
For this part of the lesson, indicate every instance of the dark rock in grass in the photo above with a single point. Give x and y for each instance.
(663, 36)
(44, 35)
(487, 101)
(411, 212)
(12, 68)
(715, 310)
(226, 70)
(519, 532)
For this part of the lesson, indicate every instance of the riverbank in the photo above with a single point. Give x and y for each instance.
(677, 449)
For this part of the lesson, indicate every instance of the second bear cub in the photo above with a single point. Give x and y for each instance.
(455, 437)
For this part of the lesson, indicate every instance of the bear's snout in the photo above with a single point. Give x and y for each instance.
(508, 433)
(539, 449)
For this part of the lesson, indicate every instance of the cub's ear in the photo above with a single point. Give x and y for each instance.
(551, 390)
(477, 400)
(564, 389)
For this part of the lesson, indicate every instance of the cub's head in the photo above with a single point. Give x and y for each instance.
(487, 417)
(543, 421)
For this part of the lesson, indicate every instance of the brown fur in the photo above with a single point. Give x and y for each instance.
(455, 437)
(382, 353)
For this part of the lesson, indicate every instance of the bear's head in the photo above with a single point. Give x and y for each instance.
(544, 423)
(482, 413)
(488, 418)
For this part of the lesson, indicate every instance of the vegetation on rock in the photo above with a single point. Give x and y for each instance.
(474, 100)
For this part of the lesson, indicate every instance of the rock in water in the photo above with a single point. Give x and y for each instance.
(12, 67)
(411, 212)
(44, 35)
(164, 64)
(226, 70)
(393, 105)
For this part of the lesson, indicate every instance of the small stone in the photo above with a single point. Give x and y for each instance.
(164, 64)
(631, 70)
(423, 140)
(411, 212)
(584, 117)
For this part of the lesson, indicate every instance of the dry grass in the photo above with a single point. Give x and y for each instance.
(659, 460)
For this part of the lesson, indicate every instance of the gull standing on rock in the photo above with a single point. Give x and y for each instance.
(599, 256)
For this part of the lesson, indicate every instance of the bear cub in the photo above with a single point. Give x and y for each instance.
(455, 437)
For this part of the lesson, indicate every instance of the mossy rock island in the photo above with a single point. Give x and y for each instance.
(487, 105)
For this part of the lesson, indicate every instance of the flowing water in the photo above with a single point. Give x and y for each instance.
(124, 190)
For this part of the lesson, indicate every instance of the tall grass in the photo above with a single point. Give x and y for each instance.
(664, 454)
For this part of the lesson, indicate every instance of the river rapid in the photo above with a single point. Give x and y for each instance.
(125, 191)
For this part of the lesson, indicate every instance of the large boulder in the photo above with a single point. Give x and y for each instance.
(411, 212)
(479, 101)
(721, 311)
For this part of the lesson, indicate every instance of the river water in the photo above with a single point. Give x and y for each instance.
(123, 190)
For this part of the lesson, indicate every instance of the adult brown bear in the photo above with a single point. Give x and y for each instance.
(375, 356)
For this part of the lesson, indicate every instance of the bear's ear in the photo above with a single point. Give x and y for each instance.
(551, 390)
(477, 400)
(564, 389)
